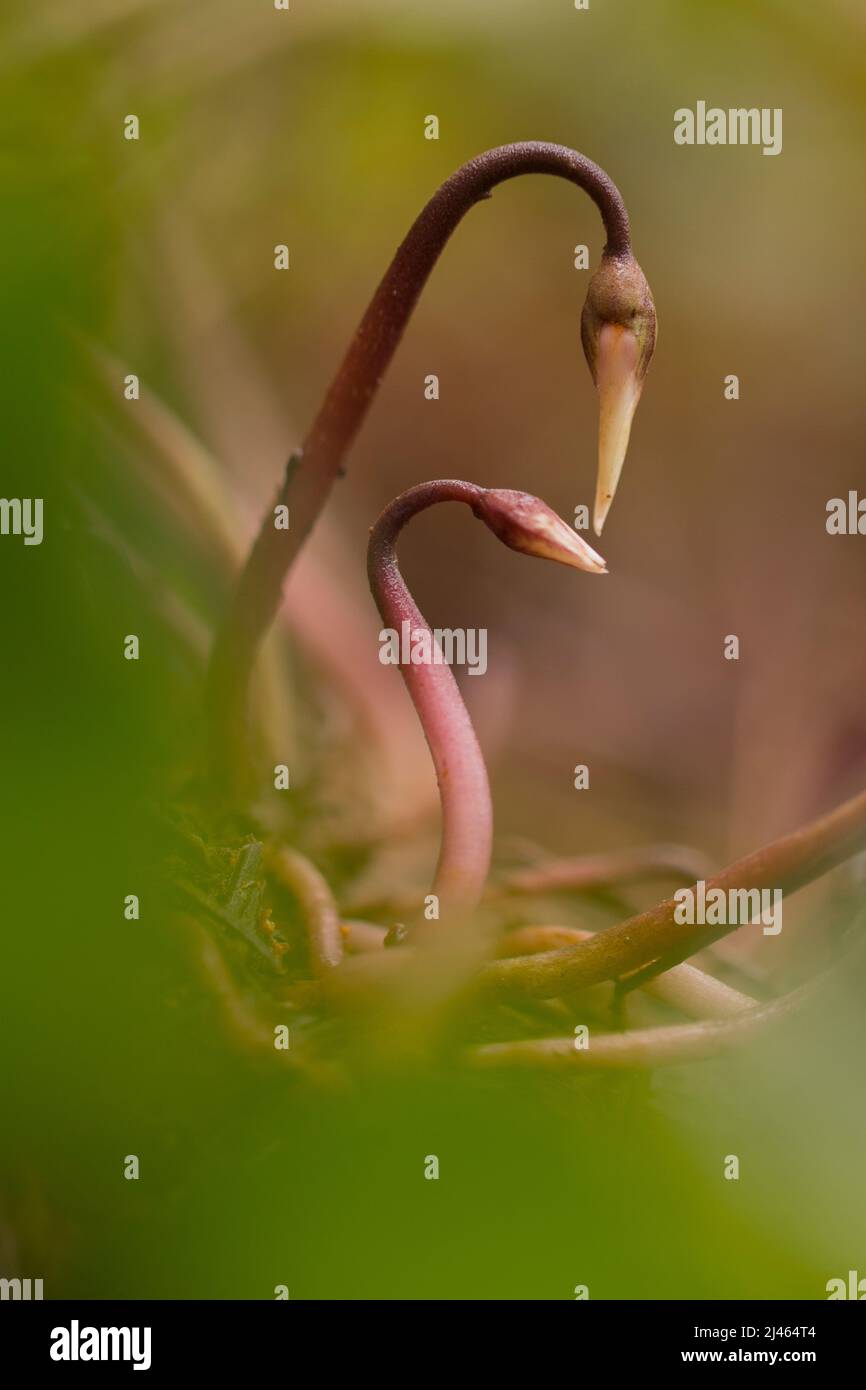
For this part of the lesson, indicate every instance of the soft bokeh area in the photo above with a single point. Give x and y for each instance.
(156, 257)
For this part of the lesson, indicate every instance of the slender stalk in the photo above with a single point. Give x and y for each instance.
(684, 987)
(644, 1047)
(655, 939)
(523, 523)
(604, 870)
(698, 994)
(312, 470)
(303, 880)
(464, 790)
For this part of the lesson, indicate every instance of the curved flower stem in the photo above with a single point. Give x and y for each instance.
(523, 523)
(656, 939)
(698, 994)
(303, 880)
(467, 812)
(312, 470)
(684, 987)
(605, 870)
(644, 1047)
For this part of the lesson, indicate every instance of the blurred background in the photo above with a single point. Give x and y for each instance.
(156, 257)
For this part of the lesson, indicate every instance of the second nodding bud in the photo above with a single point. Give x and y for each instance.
(525, 523)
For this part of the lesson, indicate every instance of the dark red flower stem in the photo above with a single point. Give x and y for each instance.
(311, 471)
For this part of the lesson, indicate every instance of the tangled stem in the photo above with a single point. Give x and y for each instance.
(656, 939)
(643, 1047)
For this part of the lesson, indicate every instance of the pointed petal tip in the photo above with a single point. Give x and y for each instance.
(595, 563)
(582, 558)
(600, 511)
(569, 548)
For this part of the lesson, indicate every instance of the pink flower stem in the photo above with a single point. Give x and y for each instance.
(467, 812)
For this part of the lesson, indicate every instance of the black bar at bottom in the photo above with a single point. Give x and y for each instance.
(152, 1338)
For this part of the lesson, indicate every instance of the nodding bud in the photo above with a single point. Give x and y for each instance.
(526, 523)
(618, 331)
